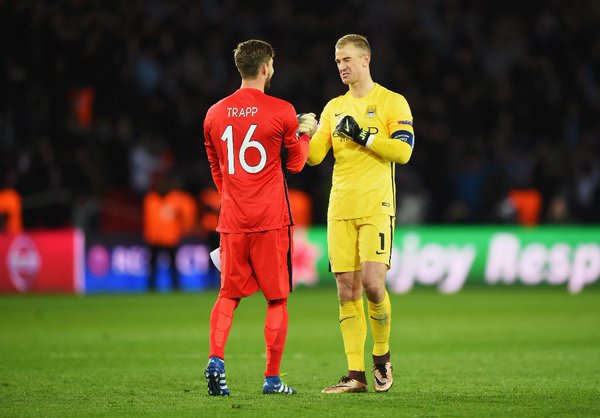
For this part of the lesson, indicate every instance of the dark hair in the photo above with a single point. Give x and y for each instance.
(250, 55)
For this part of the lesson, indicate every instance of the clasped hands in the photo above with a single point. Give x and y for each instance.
(307, 124)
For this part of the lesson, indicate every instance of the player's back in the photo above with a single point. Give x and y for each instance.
(246, 131)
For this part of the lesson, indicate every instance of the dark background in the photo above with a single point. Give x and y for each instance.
(504, 96)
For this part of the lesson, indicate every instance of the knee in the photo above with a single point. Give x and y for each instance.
(277, 302)
(347, 292)
(375, 291)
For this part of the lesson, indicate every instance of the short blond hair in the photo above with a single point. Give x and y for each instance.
(358, 41)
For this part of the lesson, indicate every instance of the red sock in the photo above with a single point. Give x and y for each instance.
(276, 325)
(221, 318)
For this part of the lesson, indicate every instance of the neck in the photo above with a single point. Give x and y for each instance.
(362, 87)
(256, 83)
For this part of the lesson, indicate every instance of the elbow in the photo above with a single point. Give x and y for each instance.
(404, 159)
(313, 161)
(295, 170)
(404, 155)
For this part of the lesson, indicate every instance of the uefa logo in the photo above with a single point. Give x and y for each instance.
(24, 263)
(98, 260)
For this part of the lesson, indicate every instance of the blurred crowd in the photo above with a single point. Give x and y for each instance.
(101, 101)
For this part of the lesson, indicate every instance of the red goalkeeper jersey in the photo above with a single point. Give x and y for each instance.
(245, 137)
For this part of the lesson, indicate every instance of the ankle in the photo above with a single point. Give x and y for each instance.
(358, 375)
(381, 359)
(273, 380)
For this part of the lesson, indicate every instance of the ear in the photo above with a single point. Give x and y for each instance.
(263, 69)
(366, 59)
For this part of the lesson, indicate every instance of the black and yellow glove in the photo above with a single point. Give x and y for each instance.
(349, 129)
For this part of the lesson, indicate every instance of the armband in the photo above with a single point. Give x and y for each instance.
(405, 136)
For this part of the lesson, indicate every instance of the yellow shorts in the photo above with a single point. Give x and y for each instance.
(352, 241)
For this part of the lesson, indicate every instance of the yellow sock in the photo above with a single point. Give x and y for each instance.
(354, 333)
(380, 317)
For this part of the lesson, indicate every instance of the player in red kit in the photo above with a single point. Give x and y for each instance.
(246, 135)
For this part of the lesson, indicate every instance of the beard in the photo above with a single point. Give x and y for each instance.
(268, 83)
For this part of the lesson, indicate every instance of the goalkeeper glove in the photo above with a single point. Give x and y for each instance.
(349, 129)
(307, 124)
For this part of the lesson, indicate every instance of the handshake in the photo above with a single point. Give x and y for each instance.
(307, 124)
(347, 128)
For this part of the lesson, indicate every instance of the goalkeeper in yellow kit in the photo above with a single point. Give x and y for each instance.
(370, 129)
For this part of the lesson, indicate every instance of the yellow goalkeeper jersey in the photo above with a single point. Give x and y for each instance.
(363, 181)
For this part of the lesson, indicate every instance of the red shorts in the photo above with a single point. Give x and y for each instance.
(257, 260)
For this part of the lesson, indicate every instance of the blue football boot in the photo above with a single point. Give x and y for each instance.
(274, 385)
(215, 377)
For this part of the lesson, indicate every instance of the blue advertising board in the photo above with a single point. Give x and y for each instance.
(122, 263)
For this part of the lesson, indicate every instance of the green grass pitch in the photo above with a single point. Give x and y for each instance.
(483, 352)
